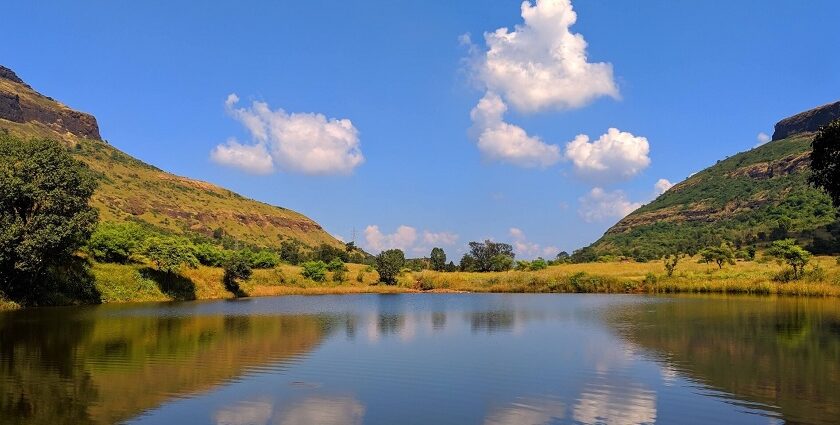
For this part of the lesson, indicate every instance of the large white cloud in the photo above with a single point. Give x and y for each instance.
(527, 249)
(306, 143)
(616, 155)
(498, 140)
(407, 238)
(541, 63)
(600, 205)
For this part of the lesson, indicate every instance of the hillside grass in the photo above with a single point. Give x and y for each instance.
(117, 283)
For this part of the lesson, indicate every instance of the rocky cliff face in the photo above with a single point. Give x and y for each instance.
(21, 104)
(807, 122)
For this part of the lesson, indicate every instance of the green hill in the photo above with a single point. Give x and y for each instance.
(131, 190)
(751, 198)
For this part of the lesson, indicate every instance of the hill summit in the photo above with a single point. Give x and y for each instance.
(751, 198)
(131, 190)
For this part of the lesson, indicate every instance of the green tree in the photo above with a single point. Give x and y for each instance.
(487, 256)
(44, 212)
(290, 252)
(327, 253)
(825, 161)
(116, 242)
(671, 261)
(437, 259)
(237, 268)
(789, 252)
(501, 263)
(169, 254)
(388, 265)
(539, 264)
(314, 270)
(210, 255)
(336, 265)
(720, 255)
(264, 260)
(563, 257)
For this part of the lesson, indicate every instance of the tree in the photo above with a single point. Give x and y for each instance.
(539, 264)
(45, 216)
(723, 254)
(314, 270)
(264, 260)
(210, 255)
(169, 254)
(290, 252)
(327, 253)
(789, 252)
(388, 265)
(825, 161)
(336, 265)
(116, 242)
(237, 267)
(437, 259)
(671, 261)
(563, 257)
(487, 256)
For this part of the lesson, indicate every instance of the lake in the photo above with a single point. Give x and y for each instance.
(426, 359)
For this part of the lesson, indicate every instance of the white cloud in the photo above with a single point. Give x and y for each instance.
(541, 64)
(761, 139)
(610, 406)
(306, 143)
(324, 411)
(407, 239)
(498, 140)
(600, 205)
(253, 159)
(661, 186)
(527, 249)
(616, 155)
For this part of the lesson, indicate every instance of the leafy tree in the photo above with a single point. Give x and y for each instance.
(44, 212)
(388, 265)
(789, 252)
(487, 256)
(671, 261)
(437, 259)
(825, 161)
(563, 257)
(116, 242)
(327, 253)
(451, 267)
(723, 254)
(338, 275)
(210, 255)
(290, 252)
(237, 268)
(523, 265)
(169, 254)
(264, 260)
(336, 265)
(314, 270)
(539, 264)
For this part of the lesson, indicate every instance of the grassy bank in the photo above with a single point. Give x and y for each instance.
(138, 283)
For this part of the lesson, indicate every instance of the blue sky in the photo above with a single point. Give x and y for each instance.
(385, 89)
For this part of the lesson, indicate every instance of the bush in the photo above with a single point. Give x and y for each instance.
(522, 265)
(264, 260)
(539, 264)
(338, 275)
(789, 252)
(210, 255)
(360, 277)
(116, 242)
(336, 265)
(501, 263)
(290, 252)
(388, 265)
(314, 270)
(169, 254)
(237, 267)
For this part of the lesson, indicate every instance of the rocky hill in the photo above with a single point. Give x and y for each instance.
(130, 189)
(751, 198)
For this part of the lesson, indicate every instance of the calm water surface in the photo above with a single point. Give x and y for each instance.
(425, 359)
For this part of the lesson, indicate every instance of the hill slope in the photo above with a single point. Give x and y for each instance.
(130, 189)
(751, 198)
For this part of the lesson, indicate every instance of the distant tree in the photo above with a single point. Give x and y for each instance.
(290, 252)
(825, 161)
(671, 261)
(314, 270)
(450, 267)
(264, 259)
(437, 259)
(45, 214)
(339, 275)
(539, 264)
(468, 263)
(563, 257)
(388, 265)
(751, 252)
(350, 246)
(487, 256)
(789, 252)
(237, 268)
(169, 254)
(116, 242)
(327, 253)
(210, 255)
(522, 265)
(720, 255)
(218, 233)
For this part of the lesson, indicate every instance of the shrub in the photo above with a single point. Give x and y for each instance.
(237, 267)
(290, 252)
(169, 254)
(336, 265)
(388, 265)
(116, 242)
(210, 255)
(671, 262)
(523, 265)
(264, 260)
(338, 275)
(538, 264)
(314, 270)
(360, 277)
(501, 263)
(787, 251)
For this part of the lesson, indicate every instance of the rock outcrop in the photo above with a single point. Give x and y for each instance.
(807, 122)
(21, 104)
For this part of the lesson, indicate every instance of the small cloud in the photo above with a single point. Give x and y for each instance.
(661, 186)
(306, 143)
(526, 249)
(761, 139)
(600, 205)
(615, 156)
(407, 239)
(439, 238)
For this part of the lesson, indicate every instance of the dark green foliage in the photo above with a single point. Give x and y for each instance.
(339, 275)
(437, 259)
(720, 255)
(314, 270)
(237, 268)
(451, 267)
(291, 252)
(388, 265)
(169, 254)
(671, 261)
(336, 265)
(116, 242)
(210, 255)
(788, 252)
(44, 212)
(539, 264)
(488, 256)
(825, 161)
(264, 259)
(327, 253)
(563, 257)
